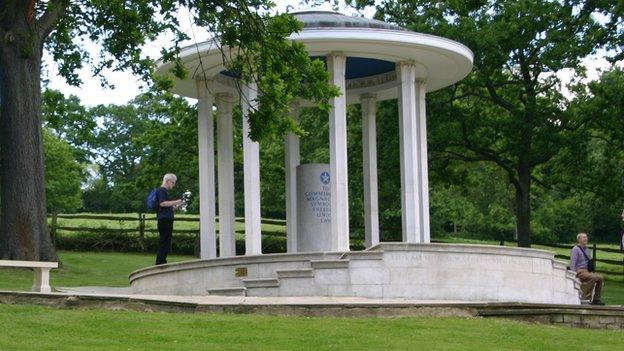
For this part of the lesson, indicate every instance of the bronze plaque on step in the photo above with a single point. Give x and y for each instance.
(240, 272)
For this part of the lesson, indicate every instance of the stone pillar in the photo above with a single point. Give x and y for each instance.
(369, 143)
(227, 240)
(423, 169)
(410, 184)
(292, 160)
(251, 170)
(205, 131)
(336, 65)
(314, 208)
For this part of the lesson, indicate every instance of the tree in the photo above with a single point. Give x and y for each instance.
(67, 118)
(63, 175)
(509, 110)
(121, 28)
(596, 166)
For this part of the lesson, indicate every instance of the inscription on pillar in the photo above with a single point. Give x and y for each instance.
(313, 207)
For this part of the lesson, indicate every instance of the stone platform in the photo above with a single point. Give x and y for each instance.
(423, 272)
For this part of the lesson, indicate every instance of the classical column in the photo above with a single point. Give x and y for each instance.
(292, 160)
(336, 65)
(205, 139)
(369, 143)
(251, 170)
(423, 172)
(408, 129)
(227, 241)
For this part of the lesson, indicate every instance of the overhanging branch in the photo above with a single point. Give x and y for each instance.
(48, 20)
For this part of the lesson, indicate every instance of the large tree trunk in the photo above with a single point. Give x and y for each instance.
(523, 205)
(23, 228)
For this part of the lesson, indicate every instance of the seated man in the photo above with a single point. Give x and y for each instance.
(580, 262)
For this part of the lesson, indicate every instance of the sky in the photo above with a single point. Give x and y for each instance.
(128, 86)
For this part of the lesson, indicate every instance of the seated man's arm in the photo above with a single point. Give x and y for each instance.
(573, 258)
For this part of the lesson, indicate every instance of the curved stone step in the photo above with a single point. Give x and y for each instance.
(261, 282)
(238, 291)
(362, 255)
(295, 273)
(329, 264)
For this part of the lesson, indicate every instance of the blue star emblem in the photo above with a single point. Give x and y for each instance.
(325, 178)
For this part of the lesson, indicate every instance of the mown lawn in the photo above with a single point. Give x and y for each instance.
(85, 269)
(29, 327)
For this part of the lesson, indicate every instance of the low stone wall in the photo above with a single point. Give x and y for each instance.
(584, 317)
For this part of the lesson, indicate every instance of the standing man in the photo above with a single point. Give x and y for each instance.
(580, 262)
(165, 216)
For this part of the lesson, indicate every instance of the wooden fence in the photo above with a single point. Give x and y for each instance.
(140, 228)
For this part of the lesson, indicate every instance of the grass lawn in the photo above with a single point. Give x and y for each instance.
(85, 269)
(28, 327)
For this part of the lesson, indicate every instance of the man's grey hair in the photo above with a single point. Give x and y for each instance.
(578, 236)
(169, 176)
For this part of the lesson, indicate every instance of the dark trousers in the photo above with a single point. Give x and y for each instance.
(165, 230)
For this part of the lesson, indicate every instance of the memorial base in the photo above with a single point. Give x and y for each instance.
(438, 272)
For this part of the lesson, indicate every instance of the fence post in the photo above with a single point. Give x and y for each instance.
(142, 232)
(53, 226)
(594, 256)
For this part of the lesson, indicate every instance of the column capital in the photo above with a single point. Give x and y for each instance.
(224, 95)
(204, 88)
(224, 99)
(337, 54)
(409, 66)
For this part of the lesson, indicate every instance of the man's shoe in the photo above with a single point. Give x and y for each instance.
(597, 302)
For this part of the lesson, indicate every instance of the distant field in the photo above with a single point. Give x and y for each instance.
(130, 221)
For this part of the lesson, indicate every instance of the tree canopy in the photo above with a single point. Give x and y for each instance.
(120, 29)
(510, 110)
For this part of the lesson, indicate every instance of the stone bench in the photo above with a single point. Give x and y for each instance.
(41, 269)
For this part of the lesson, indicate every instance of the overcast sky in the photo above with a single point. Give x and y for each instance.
(127, 86)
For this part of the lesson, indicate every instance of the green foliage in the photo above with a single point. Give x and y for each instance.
(508, 111)
(135, 145)
(255, 41)
(254, 45)
(601, 105)
(67, 118)
(63, 175)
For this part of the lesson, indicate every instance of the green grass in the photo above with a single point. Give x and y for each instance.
(85, 269)
(613, 293)
(28, 327)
